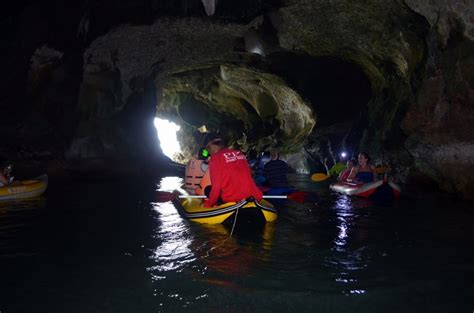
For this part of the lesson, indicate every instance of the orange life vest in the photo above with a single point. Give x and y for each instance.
(195, 170)
(205, 181)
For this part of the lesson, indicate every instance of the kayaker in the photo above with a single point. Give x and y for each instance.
(345, 174)
(204, 187)
(3, 179)
(258, 175)
(230, 174)
(338, 167)
(195, 171)
(276, 175)
(364, 172)
(5, 175)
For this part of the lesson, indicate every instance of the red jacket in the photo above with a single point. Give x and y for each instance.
(231, 178)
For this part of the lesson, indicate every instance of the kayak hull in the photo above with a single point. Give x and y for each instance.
(192, 209)
(24, 189)
(367, 190)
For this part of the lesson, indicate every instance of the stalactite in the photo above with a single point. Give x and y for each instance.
(209, 6)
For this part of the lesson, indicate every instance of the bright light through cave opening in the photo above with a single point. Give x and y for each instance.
(167, 135)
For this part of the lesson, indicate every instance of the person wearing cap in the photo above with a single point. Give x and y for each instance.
(230, 174)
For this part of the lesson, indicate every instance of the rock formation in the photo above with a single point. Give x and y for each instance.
(392, 78)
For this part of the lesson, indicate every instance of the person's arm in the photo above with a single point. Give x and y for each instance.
(265, 171)
(340, 177)
(215, 168)
(374, 172)
(352, 175)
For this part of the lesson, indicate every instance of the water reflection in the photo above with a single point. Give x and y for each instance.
(206, 252)
(16, 218)
(347, 261)
(343, 208)
(174, 251)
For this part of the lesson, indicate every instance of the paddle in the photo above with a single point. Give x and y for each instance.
(164, 196)
(298, 196)
(205, 197)
(319, 177)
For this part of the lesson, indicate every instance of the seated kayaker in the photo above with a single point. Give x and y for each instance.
(195, 171)
(276, 174)
(5, 178)
(338, 167)
(345, 174)
(230, 174)
(363, 173)
(258, 167)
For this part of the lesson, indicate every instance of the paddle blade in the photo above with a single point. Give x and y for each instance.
(319, 177)
(298, 196)
(164, 196)
(303, 197)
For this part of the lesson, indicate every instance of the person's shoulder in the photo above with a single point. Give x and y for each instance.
(227, 150)
(221, 152)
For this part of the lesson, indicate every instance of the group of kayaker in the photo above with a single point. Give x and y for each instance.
(227, 175)
(360, 172)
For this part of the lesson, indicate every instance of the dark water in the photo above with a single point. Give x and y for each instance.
(110, 247)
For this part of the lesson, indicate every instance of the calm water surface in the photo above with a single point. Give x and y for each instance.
(111, 247)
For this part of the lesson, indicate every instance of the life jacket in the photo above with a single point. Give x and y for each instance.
(205, 181)
(345, 174)
(365, 177)
(195, 170)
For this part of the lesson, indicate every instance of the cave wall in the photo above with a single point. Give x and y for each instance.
(394, 44)
(440, 119)
(119, 64)
(417, 55)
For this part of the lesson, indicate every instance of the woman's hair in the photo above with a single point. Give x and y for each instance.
(353, 161)
(366, 155)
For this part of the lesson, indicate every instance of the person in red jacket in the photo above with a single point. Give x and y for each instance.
(231, 177)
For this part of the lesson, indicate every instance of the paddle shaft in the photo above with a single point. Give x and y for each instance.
(204, 197)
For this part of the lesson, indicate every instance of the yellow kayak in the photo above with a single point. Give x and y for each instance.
(192, 208)
(24, 189)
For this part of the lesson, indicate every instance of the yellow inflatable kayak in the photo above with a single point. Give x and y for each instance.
(24, 189)
(259, 210)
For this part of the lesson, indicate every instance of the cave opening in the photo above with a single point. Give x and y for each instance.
(337, 89)
(167, 136)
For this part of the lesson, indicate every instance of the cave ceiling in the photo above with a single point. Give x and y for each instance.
(209, 62)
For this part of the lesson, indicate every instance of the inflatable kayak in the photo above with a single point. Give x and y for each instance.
(192, 209)
(367, 190)
(24, 189)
